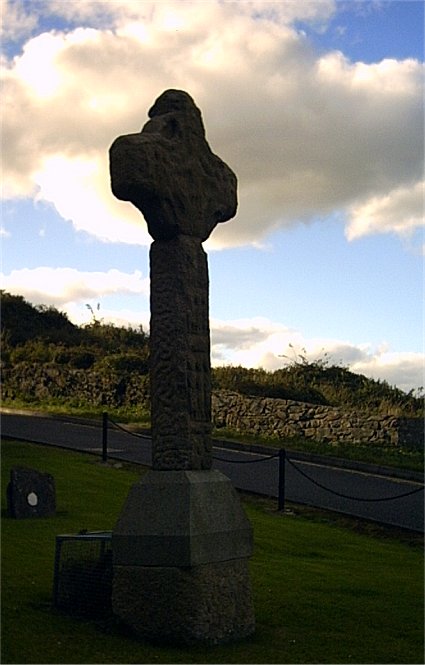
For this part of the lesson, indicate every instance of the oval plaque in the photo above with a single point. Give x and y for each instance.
(32, 499)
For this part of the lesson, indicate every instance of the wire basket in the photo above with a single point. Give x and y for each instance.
(82, 582)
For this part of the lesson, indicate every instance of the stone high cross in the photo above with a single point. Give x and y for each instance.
(170, 174)
(182, 541)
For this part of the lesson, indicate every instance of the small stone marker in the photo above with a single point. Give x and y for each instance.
(30, 493)
(182, 542)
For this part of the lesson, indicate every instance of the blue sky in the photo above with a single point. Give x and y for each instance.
(317, 107)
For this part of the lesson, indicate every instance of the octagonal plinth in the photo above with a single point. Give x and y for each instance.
(181, 547)
(181, 518)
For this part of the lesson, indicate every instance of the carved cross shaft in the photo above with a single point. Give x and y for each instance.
(183, 190)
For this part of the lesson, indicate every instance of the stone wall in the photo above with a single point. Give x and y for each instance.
(283, 418)
(106, 388)
(255, 415)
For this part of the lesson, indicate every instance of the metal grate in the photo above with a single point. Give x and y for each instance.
(82, 582)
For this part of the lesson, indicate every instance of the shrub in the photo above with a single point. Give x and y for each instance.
(33, 351)
(125, 362)
(81, 358)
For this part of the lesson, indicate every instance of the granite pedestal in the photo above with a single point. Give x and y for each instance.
(181, 549)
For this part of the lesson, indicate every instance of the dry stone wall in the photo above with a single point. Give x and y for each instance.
(283, 418)
(30, 381)
(255, 415)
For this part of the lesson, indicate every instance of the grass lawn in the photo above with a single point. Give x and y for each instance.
(323, 593)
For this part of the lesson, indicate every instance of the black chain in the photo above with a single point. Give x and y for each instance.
(302, 473)
(245, 461)
(127, 431)
(346, 496)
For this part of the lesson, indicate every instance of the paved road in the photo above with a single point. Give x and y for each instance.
(250, 471)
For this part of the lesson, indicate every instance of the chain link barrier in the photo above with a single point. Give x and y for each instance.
(127, 431)
(346, 496)
(245, 461)
(283, 457)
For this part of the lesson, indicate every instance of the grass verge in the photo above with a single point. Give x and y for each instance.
(139, 418)
(323, 593)
(400, 458)
(137, 415)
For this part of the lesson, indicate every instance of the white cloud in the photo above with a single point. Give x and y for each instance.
(403, 369)
(79, 314)
(15, 22)
(104, 13)
(78, 187)
(307, 134)
(4, 233)
(399, 211)
(260, 342)
(253, 342)
(61, 286)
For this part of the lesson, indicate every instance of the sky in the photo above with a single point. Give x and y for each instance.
(317, 106)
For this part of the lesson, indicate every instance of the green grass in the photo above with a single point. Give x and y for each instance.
(400, 458)
(323, 593)
(53, 407)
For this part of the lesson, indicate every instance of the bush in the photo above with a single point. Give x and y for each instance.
(34, 351)
(81, 358)
(319, 382)
(23, 322)
(125, 362)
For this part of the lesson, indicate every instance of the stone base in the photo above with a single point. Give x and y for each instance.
(181, 519)
(209, 604)
(180, 550)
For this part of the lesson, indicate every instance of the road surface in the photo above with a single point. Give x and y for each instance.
(373, 495)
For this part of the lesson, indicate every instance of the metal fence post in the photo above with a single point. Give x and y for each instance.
(104, 436)
(281, 496)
